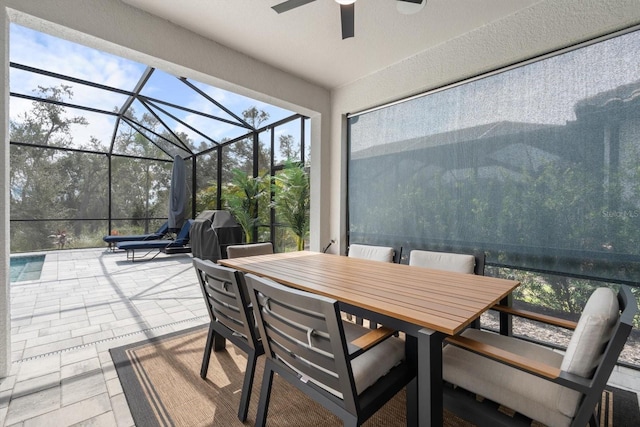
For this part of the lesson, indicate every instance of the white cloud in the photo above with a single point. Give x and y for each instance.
(49, 53)
(45, 52)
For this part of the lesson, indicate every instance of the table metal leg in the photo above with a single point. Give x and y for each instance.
(411, 352)
(506, 321)
(430, 378)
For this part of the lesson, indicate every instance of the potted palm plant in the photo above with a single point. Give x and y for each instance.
(242, 200)
(291, 200)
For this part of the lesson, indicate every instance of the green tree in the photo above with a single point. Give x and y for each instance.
(239, 155)
(140, 188)
(288, 148)
(39, 186)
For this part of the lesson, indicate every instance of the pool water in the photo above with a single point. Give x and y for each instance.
(26, 267)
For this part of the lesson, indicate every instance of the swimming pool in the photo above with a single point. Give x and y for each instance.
(26, 267)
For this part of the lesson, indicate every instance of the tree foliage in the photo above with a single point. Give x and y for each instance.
(291, 189)
(242, 197)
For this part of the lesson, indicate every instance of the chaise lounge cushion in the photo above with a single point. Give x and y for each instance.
(182, 239)
(158, 234)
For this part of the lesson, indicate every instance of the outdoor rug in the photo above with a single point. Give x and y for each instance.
(161, 381)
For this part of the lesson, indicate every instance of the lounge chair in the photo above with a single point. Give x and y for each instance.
(179, 245)
(159, 234)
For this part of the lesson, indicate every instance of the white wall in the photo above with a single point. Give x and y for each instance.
(5, 324)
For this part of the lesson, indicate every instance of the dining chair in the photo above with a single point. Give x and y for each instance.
(537, 382)
(225, 293)
(350, 370)
(374, 253)
(449, 261)
(249, 249)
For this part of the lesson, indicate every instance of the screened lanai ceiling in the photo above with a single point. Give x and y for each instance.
(114, 95)
(307, 42)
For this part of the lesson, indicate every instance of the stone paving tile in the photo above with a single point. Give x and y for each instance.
(25, 335)
(44, 339)
(114, 387)
(7, 383)
(79, 368)
(121, 411)
(98, 336)
(3, 415)
(130, 329)
(70, 357)
(104, 420)
(5, 398)
(38, 367)
(34, 385)
(52, 347)
(86, 330)
(34, 326)
(32, 405)
(73, 414)
(78, 388)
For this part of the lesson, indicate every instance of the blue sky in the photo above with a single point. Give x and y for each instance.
(35, 49)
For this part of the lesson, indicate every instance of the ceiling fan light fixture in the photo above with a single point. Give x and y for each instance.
(345, 1)
(409, 8)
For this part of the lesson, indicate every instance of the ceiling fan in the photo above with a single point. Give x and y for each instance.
(347, 11)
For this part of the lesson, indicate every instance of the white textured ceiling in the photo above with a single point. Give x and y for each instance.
(307, 41)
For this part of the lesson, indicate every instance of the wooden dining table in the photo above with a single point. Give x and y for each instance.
(427, 305)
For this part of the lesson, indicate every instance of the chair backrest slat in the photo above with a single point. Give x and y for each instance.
(226, 310)
(325, 378)
(300, 339)
(249, 249)
(227, 298)
(304, 325)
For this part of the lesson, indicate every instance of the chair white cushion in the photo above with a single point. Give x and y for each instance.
(375, 253)
(374, 363)
(458, 263)
(594, 330)
(532, 396)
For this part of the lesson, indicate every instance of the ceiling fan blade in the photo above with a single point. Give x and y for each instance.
(347, 16)
(290, 4)
(413, 1)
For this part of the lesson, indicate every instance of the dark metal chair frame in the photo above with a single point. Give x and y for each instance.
(485, 413)
(298, 328)
(227, 300)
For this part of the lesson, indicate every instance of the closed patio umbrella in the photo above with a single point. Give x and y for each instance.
(177, 195)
